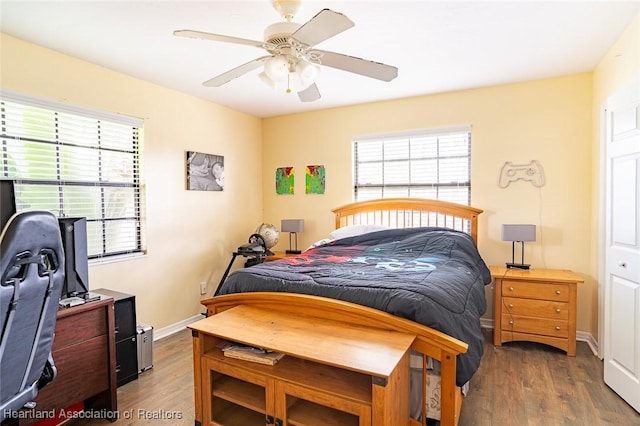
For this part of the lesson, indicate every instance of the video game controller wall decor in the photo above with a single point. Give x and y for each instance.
(531, 172)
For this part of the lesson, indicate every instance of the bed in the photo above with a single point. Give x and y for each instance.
(415, 259)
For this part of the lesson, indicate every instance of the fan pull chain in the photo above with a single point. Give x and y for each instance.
(288, 85)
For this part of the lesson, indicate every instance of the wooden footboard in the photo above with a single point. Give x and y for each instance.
(427, 341)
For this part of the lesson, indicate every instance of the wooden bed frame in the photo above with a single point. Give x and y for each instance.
(396, 213)
(410, 213)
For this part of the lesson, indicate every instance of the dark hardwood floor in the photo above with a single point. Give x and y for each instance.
(161, 395)
(517, 384)
(522, 383)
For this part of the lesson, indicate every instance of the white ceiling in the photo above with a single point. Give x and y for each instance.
(438, 46)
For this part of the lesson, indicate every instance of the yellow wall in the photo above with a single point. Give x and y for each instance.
(547, 120)
(190, 234)
(618, 67)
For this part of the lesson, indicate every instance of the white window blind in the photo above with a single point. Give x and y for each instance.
(75, 163)
(427, 164)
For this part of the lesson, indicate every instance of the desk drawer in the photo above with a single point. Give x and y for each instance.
(79, 377)
(533, 325)
(536, 290)
(77, 328)
(535, 308)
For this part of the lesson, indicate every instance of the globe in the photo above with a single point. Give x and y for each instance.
(270, 234)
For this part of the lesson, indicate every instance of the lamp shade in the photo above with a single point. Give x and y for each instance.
(292, 225)
(518, 232)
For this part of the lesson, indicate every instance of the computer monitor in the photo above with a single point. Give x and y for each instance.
(7, 202)
(73, 231)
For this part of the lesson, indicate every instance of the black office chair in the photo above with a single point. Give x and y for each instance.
(32, 275)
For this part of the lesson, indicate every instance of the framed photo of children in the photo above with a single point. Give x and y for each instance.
(205, 172)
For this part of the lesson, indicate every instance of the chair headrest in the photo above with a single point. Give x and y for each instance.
(30, 237)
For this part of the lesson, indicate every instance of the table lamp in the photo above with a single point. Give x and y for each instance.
(292, 226)
(518, 233)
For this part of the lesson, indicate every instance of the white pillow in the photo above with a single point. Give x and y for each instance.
(353, 230)
(320, 243)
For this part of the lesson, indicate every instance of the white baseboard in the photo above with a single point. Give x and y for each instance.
(581, 336)
(174, 328)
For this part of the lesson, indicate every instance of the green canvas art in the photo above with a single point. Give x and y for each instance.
(315, 180)
(285, 180)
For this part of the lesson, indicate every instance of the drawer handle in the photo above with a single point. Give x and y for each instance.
(511, 305)
(558, 292)
(510, 288)
(558, 310)
(557, 328)
(511, 322)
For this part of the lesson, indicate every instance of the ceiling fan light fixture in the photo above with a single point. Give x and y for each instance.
(266, 80)
(277, 68)
(291, 57)
(295, 84)
(307, 72)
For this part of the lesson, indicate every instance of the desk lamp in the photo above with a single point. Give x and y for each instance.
(292, 226)
(518, 233)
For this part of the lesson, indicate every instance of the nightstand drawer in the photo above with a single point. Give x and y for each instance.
(535, 290)
(535, 308)
(533, 325)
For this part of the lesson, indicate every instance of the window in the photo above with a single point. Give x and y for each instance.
(427, 164)
(75, 162)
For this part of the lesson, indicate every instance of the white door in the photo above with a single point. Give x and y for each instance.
(622, 239)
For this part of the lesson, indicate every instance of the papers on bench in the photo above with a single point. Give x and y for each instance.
(250, 353)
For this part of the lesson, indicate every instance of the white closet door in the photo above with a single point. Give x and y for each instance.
(622, 239)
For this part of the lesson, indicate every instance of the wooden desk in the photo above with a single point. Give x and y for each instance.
(84, 354)
(350, 374)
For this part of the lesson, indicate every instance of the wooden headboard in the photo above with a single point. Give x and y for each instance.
(410, 213)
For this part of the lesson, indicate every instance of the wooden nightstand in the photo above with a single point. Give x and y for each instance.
(536, 305)
(277, 255)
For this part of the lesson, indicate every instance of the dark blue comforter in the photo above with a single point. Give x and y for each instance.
(433, 276)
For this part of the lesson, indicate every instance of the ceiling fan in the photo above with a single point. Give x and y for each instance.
(292, 57)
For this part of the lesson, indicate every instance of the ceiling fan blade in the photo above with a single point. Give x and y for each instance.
(223, 38)
(324, 25)
(358, 65)
(309, 94)
(226, 77)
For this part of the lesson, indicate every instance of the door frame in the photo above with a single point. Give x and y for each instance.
(602, 211)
